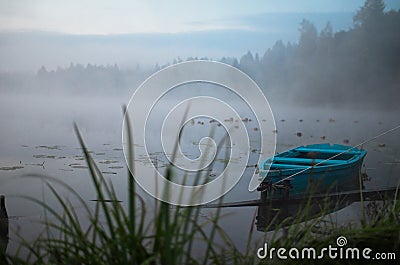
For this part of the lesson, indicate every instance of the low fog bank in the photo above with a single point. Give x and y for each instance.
(357, 68)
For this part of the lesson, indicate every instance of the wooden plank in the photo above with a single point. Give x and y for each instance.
(347, 196)
(332, 151)
(308, 160)
(287, 166)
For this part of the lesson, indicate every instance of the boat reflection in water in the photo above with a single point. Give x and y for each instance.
(306, 182)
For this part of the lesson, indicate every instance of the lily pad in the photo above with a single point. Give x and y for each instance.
(116, 167)
(11, 168)
(65, 169)
(49, 156)
(80, 166)
(109, 172)
(54, 147)
(108, 162)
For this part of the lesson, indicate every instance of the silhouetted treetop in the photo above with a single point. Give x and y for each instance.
(372, 10)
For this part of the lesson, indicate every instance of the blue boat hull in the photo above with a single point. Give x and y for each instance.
(317, 168)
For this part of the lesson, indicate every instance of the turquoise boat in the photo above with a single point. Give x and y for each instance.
(316, 168)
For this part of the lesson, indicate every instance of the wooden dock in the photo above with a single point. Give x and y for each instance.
(347, 196)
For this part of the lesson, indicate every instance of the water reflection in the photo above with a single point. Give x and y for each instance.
(279, 213)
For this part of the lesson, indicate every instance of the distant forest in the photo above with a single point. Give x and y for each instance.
(360, 66)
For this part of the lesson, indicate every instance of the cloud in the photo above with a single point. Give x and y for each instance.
(174, 16)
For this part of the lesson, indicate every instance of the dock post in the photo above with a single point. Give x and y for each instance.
(3, 229)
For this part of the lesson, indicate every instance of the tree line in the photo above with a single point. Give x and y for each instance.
(357, 66)
(360, 65)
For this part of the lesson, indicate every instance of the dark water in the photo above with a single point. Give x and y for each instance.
(38, 138)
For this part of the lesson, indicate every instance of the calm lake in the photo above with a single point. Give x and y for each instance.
(38, 138)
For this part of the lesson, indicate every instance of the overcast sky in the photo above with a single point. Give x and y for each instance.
(52, 33)
(133, 16)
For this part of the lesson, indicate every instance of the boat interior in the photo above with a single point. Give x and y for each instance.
(304, 157)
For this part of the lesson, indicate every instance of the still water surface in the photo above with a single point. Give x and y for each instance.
(38, 138)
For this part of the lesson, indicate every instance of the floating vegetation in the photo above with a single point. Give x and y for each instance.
(108, 162)
(331, 120)
(109, 172)
(49, 156)
(90, 152)
(65, 169)
(79, 158)
(117, 149)
(116, 167)
(54, 147)
(79, 166)
(24, 145)
(100, 154)
(381, 145)
(11, 168)
(38, 164)
(222, 160)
